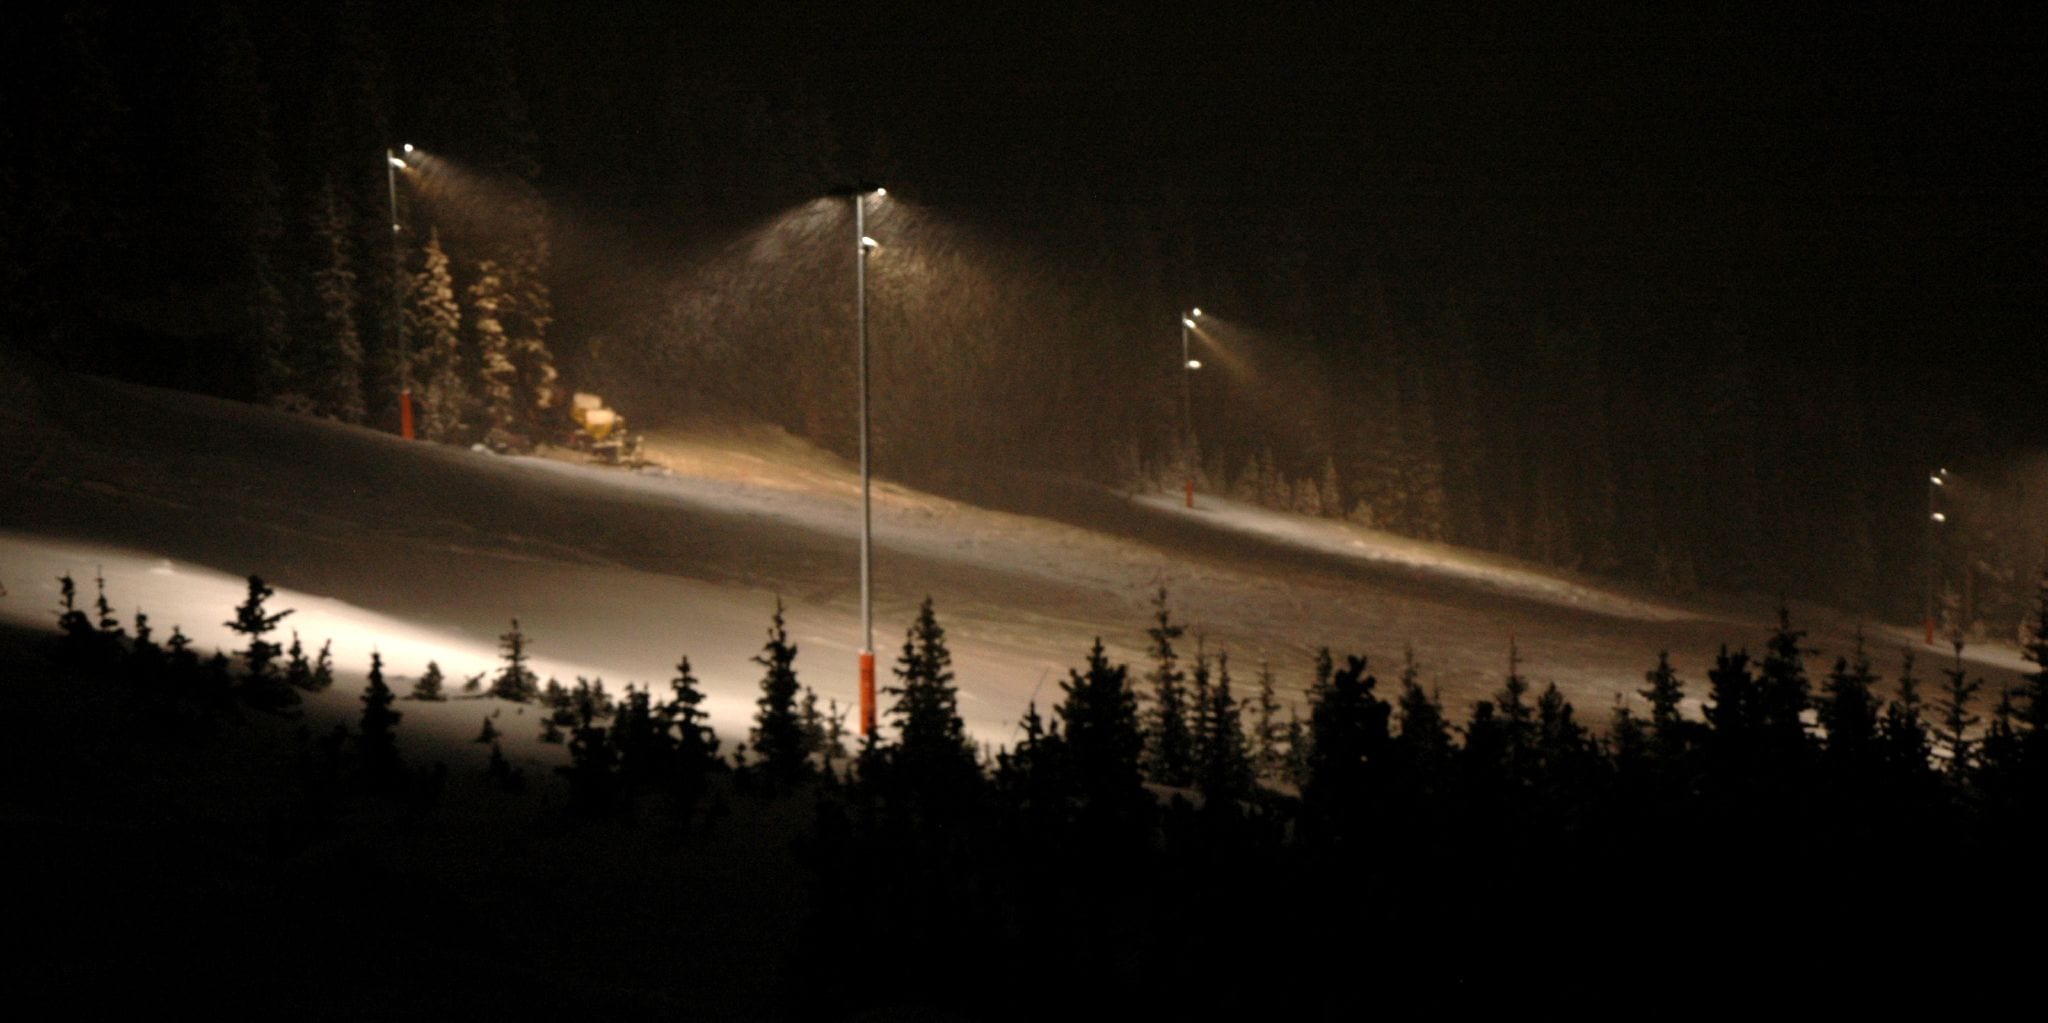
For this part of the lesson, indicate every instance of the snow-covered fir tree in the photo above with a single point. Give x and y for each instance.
(433, 321)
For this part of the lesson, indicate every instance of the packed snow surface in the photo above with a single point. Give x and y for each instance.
(425, 552)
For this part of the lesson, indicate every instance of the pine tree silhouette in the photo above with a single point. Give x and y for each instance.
(262, 685)
(1223, 766)
(377, 740)
(1423, 749)
(1169, 740)
(298, 671)
(1670, 733)
(1953, 730)
(1098, 722)
(1903, 734)
(696, 743)
(515, 681)
(80, 638)
(428, 687)
(147, 662)
(593, 768)
(933, 757)
(778, 735)
(1269, 736)
(1348, 745)
(1848, 713)
(1783, 694)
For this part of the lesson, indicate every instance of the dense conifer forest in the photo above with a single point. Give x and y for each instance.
(1164, 837)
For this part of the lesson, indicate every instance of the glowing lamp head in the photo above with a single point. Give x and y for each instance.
(408, 147)
(868, 244)
(396, 162)
(1939, 517)
(1185, 322)
(1937, 481)
(1194, 312)
(880, 191)
(1194, 364)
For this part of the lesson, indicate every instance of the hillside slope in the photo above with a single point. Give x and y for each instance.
(428, 551)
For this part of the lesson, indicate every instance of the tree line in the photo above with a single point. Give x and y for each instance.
(1154, 811)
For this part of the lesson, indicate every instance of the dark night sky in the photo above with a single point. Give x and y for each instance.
(1874, 169)
(1861, 182)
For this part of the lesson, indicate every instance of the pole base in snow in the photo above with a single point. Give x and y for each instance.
(405, 414)
(867, 692)
(1191, 493)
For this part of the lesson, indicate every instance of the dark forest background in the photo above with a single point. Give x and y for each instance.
(1696, 303)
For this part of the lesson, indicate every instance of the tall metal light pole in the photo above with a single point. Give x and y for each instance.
(864, 244)
(1935, 518)
(1188, 365)
(392, 165)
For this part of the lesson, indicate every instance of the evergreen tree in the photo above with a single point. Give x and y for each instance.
(1628, 742)
(1425, 738)
(1848, 712)
(330, 368)
(1032, 778)
(811, 721)
(933, 754)
(377, 740)
(244, 175)
(146, 660)
(1668, 727)
(696, 743)
(2001, 759)
(1295, 756)
(109, 626)
(1169, 742)
(593, 768)
(1098, 721)
(1903, 733)
(298, 671)
(515, 681)
(262, 683)
(778, 737)
(1517, 720)
(1783, 692)
(433, 321)
(1953, 730)
(500, 770)
(428, 687)
(181, 663)
(488, 734)
(322, 674)
(1269, 736)
(1348, 742)
(1223, 765)
(1733, 710)
(1563, 747)
(527, 316)
(80, 638)
(497, 376)
(641, 737)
